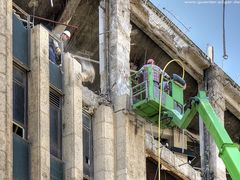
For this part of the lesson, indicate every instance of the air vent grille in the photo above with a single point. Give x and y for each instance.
(55, 99)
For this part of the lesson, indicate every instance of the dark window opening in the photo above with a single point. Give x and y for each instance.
(87, 146)
(194, 156)
(152, 171)
(55, 125)
(18, 130)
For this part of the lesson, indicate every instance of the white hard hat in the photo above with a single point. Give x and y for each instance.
(67, 33)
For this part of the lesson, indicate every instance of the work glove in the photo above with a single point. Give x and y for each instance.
(58, 51)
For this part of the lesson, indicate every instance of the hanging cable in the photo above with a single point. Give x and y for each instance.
(160, 105)
(225, 56)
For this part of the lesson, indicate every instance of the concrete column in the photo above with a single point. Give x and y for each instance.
(130, 148)
(180, 141)
(38, 122)
(6, 152)
(204, 142)
(215, 94)
(129, 136)
(119, 47)
(103, 143)
(72, 119)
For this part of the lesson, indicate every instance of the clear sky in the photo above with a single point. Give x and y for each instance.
(204, 18)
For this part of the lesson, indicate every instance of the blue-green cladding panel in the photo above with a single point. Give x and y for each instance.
(20, 41)
(20, 158)
(56, 169)
(55, 75)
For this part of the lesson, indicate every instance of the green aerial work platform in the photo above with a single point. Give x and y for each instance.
(145, 94)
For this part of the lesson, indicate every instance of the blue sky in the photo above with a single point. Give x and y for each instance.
(204, 17)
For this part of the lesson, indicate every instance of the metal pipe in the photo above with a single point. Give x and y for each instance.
(56, 22)
(86, 59)
(102, 47)
(51, 3)
(19, 9)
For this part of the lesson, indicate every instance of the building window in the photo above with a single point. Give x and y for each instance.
(19, 101)
(87, 146)
(20, 144)
(55, 125)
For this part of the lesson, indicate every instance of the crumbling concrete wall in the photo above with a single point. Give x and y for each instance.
(6, 89)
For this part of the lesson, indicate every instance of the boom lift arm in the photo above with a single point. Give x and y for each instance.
(145, 102)
(228, 151)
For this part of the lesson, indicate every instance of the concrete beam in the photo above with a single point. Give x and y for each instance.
(67, 14)
(232, 96)
(232, 105)
(170, 160)
(6, 152)
(72, 119)
(165, 34)
(38, 89)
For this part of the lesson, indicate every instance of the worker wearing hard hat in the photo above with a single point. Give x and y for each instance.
(55, 46)
(151, 61)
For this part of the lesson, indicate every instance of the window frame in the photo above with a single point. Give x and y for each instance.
(23, 84)
(90, 131)
(59, 130)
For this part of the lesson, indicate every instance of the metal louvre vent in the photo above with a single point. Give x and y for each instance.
(55, 99)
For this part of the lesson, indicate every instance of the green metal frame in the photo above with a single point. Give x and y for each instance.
(145, 95)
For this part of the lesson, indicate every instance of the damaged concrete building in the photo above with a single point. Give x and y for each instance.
(57, 125)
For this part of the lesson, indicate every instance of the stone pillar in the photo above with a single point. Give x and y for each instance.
(72, 119)
(204, 142)
(180, 141)
(6, 152)
(130, 148)
(215, 94)
(103, 144)
(38, 122)
(129, 137)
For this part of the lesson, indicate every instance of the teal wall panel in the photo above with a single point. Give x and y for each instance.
(55, 75)
(20, 158)
(56, 168)
(20, 41)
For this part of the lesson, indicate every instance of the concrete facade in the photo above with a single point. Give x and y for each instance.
(6, 154)
(121, 141)
(38, 103)
(72, 119)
